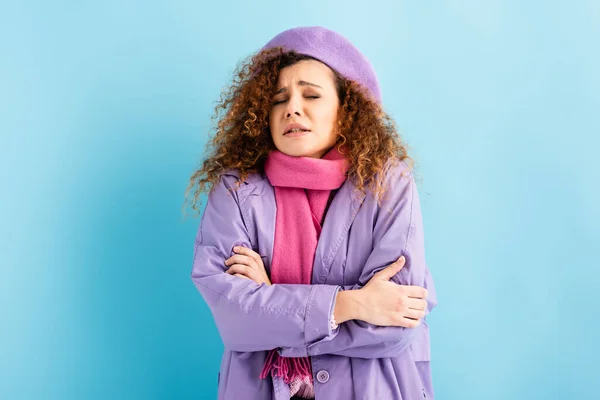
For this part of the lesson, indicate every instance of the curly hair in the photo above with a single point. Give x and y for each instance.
(242, 140)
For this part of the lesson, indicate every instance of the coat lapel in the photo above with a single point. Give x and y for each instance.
(258, 207)
(339, 218)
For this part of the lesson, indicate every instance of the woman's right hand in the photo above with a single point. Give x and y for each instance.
(382, 302)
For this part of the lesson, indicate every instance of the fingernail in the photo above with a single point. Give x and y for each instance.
(402, 258)
(235, 248)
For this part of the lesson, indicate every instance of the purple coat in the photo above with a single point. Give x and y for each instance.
(359, 238)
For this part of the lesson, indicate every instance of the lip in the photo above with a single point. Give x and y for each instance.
(294, 125)
(296, 134)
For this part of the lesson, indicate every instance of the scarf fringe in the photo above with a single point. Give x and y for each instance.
(288, 368)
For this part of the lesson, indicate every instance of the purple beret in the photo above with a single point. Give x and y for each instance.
(332, 49)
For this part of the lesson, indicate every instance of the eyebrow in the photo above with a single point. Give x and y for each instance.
(300, 83)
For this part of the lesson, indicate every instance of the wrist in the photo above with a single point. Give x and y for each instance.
(347, 306)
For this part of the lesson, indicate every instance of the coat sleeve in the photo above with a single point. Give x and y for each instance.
(250, 317)
(398, 230)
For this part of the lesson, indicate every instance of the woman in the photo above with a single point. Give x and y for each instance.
(310, 250)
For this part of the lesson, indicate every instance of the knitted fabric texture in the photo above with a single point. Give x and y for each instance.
(332, 49)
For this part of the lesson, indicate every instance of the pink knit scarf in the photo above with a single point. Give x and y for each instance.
(302, 189)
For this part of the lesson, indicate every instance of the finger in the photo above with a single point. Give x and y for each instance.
(417, 304)
(247, 252)
(414, 314)
(240, 269)
(416, 292)
(237, 259)
(240, 259)
(410, 323)
(388, 272)
(399, 319)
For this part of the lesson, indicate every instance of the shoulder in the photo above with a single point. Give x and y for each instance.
(396, 169)
(397, 179)
(230, 185)
(398, 189)
(231, 179)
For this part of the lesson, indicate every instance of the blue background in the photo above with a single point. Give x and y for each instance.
(104, 112)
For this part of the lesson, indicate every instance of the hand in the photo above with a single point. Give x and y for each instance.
(390, 304)
(384, 303)
(247, 264)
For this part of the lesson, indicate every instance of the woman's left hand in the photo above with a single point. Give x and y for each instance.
(246, 263)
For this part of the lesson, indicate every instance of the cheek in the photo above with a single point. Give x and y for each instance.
(326, 117)
(331, 118)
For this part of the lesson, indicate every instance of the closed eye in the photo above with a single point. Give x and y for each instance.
(306, 97)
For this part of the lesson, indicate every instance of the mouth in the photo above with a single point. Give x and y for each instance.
(294, 129)
(296, 132)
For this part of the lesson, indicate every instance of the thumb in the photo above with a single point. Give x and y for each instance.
(388, 272)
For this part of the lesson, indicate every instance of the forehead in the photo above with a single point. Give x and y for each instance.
(307, 70)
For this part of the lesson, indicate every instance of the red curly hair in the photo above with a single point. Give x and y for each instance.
(243, 140)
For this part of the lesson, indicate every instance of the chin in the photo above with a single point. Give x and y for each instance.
(299, 151)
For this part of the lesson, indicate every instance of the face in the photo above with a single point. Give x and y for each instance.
(304, 110)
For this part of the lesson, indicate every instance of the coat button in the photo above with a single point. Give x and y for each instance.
(322, 376)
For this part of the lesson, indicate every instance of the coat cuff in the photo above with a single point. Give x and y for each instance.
(319, 313)
(318, 321)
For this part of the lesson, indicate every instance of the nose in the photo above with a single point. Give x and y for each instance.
(293, 107)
